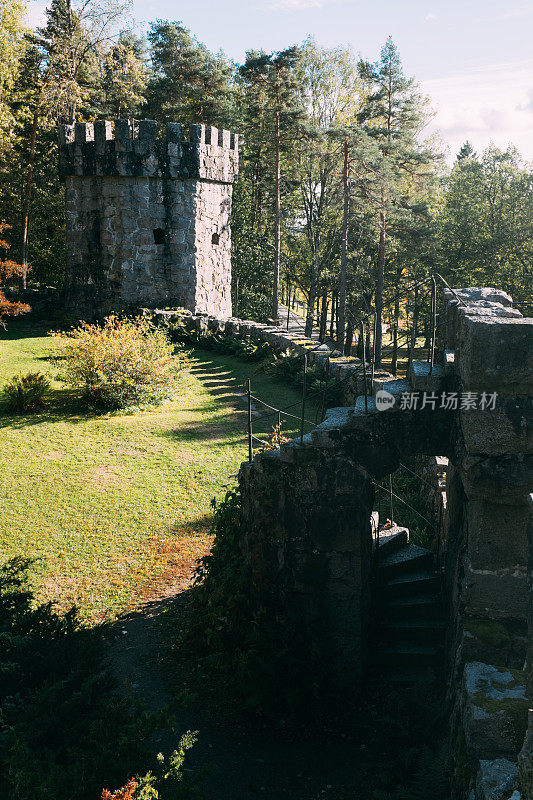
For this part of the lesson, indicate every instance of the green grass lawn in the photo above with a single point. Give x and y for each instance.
(112, 506)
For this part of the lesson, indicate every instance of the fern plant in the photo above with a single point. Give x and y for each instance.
(26, 393)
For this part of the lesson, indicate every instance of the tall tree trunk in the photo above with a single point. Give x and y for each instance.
(27, 199)
(332, 318)
(394, 364)
(277, 223)
(310, 316)
(324, 316)
(344, 251)
(348, 342)
(379, 283)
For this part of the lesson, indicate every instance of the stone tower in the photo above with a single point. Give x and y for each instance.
(147, 218)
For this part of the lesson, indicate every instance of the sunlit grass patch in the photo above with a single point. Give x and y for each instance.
(115, 505)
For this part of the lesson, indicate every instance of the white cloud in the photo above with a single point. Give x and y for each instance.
(430, 16)
(491, 104)
(35, 16)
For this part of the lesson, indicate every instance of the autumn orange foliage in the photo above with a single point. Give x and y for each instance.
(126, 793)
(9, 269)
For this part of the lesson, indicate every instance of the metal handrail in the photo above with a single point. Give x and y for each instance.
(362, 369)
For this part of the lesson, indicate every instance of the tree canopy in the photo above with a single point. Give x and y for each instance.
(341, 199)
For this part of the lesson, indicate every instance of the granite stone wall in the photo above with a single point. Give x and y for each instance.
(147, 219)
(306, 521)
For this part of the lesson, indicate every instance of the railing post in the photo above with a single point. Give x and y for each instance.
(414, 328)
(279, 420)
(324, 396)
(364, 363)
(433, 323)
(374, 351)
(250, 431)
(304, 386)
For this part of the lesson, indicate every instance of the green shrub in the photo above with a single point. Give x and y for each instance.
(195, 338)
(64, 731)
(120, 363)
(287, 367)
(250, 350)
(284, 366)
(26, 393)
(169, 782)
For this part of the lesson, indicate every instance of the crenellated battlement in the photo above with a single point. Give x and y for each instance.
(104, 148)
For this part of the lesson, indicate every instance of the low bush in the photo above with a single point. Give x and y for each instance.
(64, 730)
(287, 367)
(26, 393)
(168, 782)
(284, 366)
(120, 363)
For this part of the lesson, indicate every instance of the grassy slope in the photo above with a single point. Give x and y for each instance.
(111, 505)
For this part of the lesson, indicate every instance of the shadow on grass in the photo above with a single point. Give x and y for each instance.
(27, 329)
(65, 405)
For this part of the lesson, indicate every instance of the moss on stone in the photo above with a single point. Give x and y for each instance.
(515, 710)
(488, 631)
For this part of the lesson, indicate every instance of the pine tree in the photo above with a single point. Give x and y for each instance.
(393, 117)
(466, 151)
(125, 76)
(190, 84)
(11, 50)
(275, 79)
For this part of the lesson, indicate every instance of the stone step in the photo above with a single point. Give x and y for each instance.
(391, 540)
(408, 630)
(424, 378)
(409, 655)
(411, 607)
(410, 558)
(401, 675)
(413, 583)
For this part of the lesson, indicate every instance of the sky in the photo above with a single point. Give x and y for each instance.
(474, 58)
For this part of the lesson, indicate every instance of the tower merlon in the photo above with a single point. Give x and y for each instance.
(145, 150)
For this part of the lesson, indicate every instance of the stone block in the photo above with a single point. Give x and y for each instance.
(474, 294)
(425, 378)
(494, 711)
(525, 762)
(499, 642)
(506, 429)
(337, 614)
(497, 535)
(496, 779)
(496, 354)
(496, 594)
(501, 479)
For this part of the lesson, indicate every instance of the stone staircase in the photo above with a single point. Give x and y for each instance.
(407, 626)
